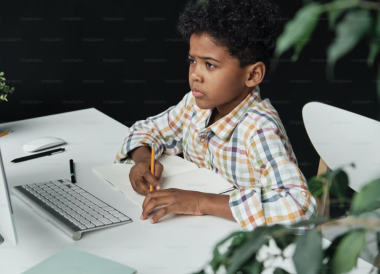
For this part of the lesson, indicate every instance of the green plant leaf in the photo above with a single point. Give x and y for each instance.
(316, 221)
(200, 272)
(374, 43)
(254, 267)
(378, 83)
(333, 16)
(280, 271)
(218, 258)
(330, 251)
(339, 185)
(308, 254)
(315, 186)
(348, 251)
(349, 31)
(284, 241)
(256, 240)
(365, 198)
(297, 31)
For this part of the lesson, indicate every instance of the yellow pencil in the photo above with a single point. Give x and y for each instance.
(152, 166)
(5, 133)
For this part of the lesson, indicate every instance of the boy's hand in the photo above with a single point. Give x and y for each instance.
(140, 175)
(176, 201)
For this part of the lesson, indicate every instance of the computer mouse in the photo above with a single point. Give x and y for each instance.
(42, 143)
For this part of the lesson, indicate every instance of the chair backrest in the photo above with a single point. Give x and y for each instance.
(324, 202)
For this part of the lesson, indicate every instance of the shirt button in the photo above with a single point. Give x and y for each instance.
(202, 140)
(303, 193)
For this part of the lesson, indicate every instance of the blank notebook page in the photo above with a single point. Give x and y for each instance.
(177, 174)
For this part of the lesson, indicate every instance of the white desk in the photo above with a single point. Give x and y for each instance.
(93, 139)
(175, 245)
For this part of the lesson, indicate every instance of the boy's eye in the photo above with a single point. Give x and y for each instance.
(207, 63)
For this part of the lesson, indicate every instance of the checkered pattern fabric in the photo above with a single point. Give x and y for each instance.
(248, 147)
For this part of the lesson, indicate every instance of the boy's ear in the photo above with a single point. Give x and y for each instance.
(255, 74)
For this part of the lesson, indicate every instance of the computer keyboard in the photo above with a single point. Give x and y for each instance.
(73, 205)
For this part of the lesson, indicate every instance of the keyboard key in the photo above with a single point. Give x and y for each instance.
(93, 199)
(108, 208)
(79, 191)
(89, 225)
(114, 220)
(105, 221)
(96, 222)
(118, 215)
(123, 218)
(94, 206)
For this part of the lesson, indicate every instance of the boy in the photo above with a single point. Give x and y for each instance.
(223, 124)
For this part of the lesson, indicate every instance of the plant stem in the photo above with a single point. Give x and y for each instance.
(369, 5)
(344, 222)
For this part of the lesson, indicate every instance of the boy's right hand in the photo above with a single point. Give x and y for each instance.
(140, 175)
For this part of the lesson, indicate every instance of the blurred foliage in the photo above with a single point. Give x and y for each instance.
(351, 20)
(4, 89)
(242, 254)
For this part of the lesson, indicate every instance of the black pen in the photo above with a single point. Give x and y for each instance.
(46, 153)
(72, 172)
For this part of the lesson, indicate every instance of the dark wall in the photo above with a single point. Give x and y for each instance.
(126, 59)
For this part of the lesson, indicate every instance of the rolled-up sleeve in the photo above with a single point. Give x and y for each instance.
(164, 130)
(278, 194)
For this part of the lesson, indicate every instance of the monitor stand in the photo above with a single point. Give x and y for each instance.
(1, 239)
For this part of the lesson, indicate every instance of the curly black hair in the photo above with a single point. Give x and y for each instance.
(248, 29)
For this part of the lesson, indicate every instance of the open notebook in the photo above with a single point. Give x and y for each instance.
(178, 173)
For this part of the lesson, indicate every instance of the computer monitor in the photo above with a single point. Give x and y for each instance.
(7, 227)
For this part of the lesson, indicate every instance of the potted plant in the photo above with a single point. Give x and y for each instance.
(4, 89)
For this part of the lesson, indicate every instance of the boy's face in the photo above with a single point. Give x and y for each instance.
(221, 82)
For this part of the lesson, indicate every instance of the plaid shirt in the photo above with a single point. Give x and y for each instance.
(248, 147)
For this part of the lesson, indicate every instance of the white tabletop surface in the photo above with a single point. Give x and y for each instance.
(177, 244)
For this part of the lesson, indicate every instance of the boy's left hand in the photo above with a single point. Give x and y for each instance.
(176, 201)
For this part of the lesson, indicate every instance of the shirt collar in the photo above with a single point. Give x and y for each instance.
(225, 126)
